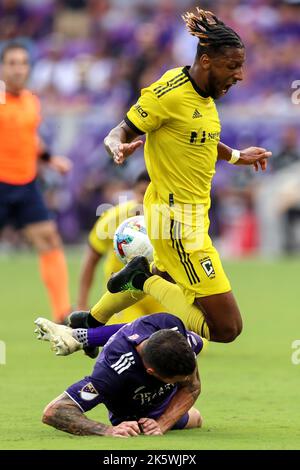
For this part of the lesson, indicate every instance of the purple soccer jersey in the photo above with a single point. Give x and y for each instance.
(119, 379)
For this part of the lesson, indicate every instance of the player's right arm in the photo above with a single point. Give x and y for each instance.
(63, 414)
(118, 142)
(147, 115)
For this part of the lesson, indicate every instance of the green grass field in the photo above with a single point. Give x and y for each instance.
(250, 388)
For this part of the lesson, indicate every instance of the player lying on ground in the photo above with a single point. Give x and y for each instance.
(179, 117)
(146, 376)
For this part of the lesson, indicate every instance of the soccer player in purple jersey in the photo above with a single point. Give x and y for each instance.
(146, 376)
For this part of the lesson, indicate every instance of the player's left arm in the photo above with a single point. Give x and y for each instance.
(256, 156)
(183, 400)
(59, 163)
(63, 414)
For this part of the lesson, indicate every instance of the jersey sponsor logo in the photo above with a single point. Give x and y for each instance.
(214, 135)
(197, 114)
(88, 392)
(204, 137)
(144, 397)
(207, 265)
(125, 361)
(193, 137)
(141, 111)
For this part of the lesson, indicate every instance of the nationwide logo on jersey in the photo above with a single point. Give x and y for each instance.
(88, 392)
(197, 114)
(208, 267)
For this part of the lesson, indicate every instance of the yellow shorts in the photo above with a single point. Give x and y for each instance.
(185, 252)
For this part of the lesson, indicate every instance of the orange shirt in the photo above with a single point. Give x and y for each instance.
(19, 147)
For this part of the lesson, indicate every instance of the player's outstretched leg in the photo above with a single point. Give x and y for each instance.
(136, 275)
(216, 317)
(65, 340)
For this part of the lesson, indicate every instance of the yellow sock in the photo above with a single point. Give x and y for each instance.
(172, 298)
(114, 303)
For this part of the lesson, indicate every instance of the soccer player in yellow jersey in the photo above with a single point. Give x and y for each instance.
(179, 117)
(100, 245)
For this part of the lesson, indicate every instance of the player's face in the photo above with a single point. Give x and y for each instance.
(139, 191)
(225, 70)
(15, 69)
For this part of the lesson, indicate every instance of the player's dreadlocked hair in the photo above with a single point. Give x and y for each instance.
(212, 33)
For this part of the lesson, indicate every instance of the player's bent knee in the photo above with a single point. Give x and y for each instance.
(48, 414)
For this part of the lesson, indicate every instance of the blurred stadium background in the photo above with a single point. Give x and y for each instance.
(90, 59)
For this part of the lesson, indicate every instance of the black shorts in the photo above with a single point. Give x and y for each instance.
(21, 205)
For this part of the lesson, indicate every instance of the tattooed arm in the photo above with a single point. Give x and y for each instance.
(182, 401)
(63, 414)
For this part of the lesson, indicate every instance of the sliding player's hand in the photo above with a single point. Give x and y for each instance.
(125, 429)
(256, 156)
(150, 427)
(119, 152)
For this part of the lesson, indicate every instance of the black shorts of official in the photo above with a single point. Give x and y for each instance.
(21, 205)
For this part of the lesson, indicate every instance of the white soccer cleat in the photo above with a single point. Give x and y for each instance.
(61, 337)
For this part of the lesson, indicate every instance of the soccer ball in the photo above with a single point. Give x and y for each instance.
(131, 240)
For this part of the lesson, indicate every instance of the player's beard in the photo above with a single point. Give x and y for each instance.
(213, 88)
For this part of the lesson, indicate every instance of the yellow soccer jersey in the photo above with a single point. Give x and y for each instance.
(183, 132)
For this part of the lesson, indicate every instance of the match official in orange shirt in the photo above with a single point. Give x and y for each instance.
(21, 202)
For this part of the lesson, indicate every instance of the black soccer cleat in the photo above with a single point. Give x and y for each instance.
(132, 277)
(91, 351)
(79, 319)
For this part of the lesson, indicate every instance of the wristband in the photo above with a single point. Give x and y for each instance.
(235, 156)
(45, 156)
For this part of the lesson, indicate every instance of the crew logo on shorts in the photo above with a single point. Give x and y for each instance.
(208, 267)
